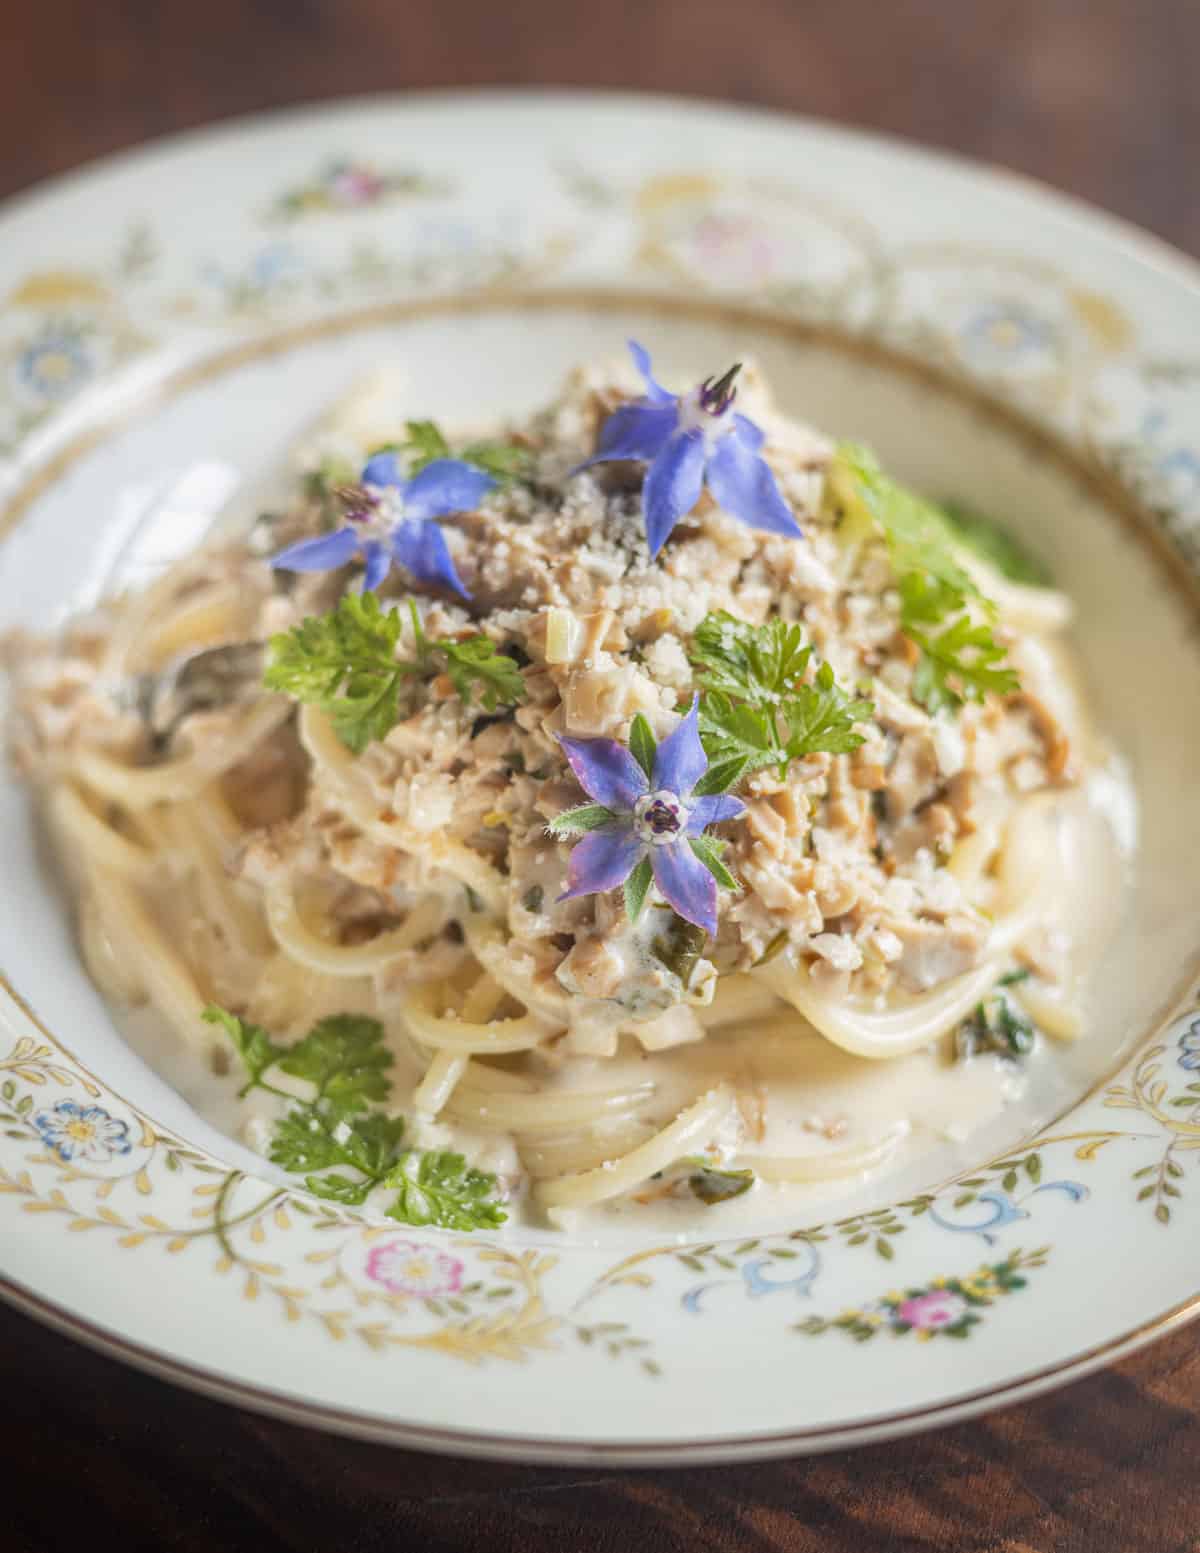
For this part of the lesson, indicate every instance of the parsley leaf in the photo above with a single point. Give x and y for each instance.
(344, 1056)
(961, 663)
(918, 536)
(314, 1137)
(345, 663)
(711, 1184)
(998, 1026)
(755, 663)
(756, 706)
(252, 1043)
(317, 1137)
(476, 665)
(425, 443)
(994, 544)
(942, 611)
(502, 460)
(441, 1188)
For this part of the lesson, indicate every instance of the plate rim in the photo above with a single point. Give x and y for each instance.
(1145, 248)
(1123, 229)
(542, 1450)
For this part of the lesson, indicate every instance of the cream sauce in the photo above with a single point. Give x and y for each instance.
(798, 1095)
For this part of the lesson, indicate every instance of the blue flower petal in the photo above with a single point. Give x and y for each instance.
(325, 554)
(446, 485)
(635, 431)
(606, 771)
(744, 485)
(680, 761)
(378, 565)
(655, 392)
(382, 470)
(685, 883)
(422, 549)
(712, 810)
(672, 486)
(747, 433)
(601, 861)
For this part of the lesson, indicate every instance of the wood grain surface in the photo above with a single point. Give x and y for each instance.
(1097, 96)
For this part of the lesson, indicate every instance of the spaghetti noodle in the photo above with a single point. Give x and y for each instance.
(255, 861)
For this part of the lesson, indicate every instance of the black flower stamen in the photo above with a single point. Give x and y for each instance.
(716, 397)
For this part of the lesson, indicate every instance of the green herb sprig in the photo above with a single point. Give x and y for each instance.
(345, 1060)
(993, 543)
(758, 707)
(710, 1183)
(997, 1025)
(942, 611)
(425, 443)
(345, 662)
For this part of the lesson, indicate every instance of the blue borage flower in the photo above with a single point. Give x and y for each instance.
(692, 440)
(391, 520)
(1189, 1046)
(646, 821)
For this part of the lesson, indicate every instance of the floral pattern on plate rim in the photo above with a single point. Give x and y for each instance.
(475, 1299)
(1023, 331)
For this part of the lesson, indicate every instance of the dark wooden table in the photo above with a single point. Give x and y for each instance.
(1098, 96)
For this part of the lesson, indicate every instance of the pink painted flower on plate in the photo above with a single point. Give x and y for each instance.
(351, 184)
(407, 1267)
(927, 1312)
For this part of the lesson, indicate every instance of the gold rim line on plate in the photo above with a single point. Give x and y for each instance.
(1100, 483)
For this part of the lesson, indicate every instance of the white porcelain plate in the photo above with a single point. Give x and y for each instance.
(197, 303)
